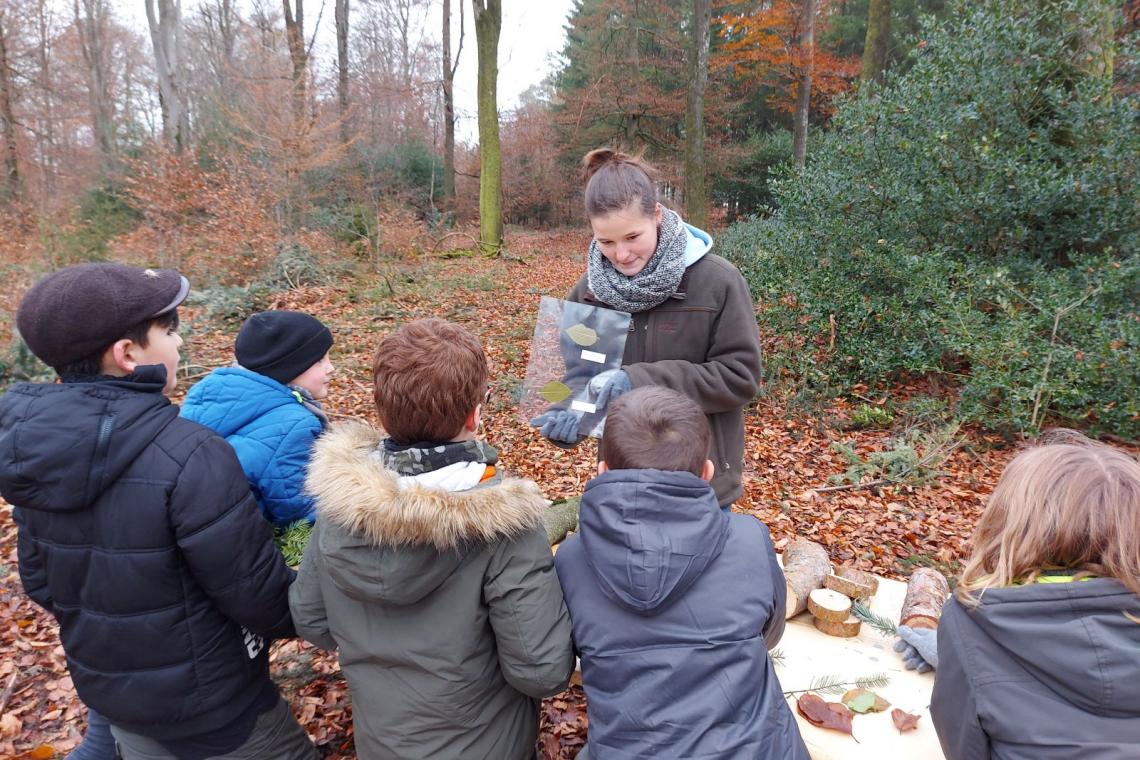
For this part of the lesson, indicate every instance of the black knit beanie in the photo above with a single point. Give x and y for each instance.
(281, 344)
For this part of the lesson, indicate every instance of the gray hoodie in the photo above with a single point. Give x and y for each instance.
(1040, 672)
(674, 604)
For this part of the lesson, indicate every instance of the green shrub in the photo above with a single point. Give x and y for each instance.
(103, 214)
(977, 216)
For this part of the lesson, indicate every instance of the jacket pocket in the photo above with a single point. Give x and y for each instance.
(679, 333)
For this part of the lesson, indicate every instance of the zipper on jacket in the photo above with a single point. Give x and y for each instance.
(99, 463)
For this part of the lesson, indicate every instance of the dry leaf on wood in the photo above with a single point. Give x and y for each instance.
(904, 721)
(824, 714)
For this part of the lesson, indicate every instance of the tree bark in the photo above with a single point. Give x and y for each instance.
(696, 188)
(169, 60)
(299, 57)
(11, 186)
(806, 564)
(877, 41)
(91, 25)
(803, 106)
(341, 15)
(488, 24)
(449, 67)
(926, 594)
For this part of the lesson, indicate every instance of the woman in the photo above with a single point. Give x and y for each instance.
(693, 328)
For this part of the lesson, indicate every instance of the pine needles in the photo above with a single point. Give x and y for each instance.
(884, 626)
(292, 540)
(832, 684)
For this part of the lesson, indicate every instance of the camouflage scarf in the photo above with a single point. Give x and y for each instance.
(419, 458)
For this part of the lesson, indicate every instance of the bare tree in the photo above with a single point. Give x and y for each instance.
(488, 24)
(696, 189)
(803, 106)
(341, 16)
(449, 68)
(298, 56)
(218, 28)
(11, 185)
(92, 27)
(877, 41)
(170, 65)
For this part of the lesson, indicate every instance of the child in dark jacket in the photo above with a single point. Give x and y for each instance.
(1039, 649)
(137, 530)
(429, 569)
(268, 407)
(674, 603)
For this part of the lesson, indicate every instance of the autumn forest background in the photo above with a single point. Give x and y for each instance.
(934, 201)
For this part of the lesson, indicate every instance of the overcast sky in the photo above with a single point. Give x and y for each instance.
(532, 38)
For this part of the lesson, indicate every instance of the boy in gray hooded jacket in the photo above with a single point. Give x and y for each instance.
(429, 569)
(673, 602)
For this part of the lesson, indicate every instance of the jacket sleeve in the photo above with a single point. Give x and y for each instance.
(729, 377)
(227, 545)
(953, 706)
(282, 483)
(306, 600)
(528, 615)
(774, 628)
(33, 576)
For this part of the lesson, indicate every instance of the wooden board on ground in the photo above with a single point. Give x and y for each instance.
(810, 654)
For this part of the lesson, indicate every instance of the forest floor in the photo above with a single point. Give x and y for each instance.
(790, 453)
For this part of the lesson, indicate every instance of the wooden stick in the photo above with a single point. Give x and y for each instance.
(8, 691)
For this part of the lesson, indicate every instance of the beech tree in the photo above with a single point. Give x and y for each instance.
(10, 188)
(341, 20)
(877, 42)
(91, 25)
(449, 68)
(169, 59)
(488, 24)
(803, 104)
(696, 192)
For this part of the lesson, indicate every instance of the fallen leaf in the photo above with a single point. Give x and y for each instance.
(824, 714)
(582, 335)
(904, 721)
(864, 701)
(42, 752)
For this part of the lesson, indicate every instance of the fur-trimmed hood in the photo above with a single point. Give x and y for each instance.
(381, 541)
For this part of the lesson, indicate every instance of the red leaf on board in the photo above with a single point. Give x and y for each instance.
(824, 714)
(904, 721)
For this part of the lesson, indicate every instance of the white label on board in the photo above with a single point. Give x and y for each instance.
(593, 356)
(582, 406)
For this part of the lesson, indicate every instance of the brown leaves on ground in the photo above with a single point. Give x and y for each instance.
(903, 720)
(819, 712)
(787, 454)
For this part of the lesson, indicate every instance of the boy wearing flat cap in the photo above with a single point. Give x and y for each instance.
(268, 406)
(137, 529)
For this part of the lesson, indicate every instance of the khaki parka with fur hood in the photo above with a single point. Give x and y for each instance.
(444, 605)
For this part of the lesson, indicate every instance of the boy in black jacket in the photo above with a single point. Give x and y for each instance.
(137, 529)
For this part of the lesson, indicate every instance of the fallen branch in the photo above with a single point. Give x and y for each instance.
(7, 694)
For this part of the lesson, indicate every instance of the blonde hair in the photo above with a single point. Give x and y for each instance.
(1073, 506)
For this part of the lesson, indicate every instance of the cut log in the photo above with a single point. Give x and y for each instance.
(847, 628)
(926, 593)
(850, 588)
(829, 605)
(560, 519)
(805, 566)
(861, 577)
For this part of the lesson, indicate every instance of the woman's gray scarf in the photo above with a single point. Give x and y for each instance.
(653, 284)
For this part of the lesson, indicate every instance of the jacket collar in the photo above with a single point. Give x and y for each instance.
(354, 491)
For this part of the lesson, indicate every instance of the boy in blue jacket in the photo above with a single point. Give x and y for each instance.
(268, 407)
(673, 603)
(137, 530)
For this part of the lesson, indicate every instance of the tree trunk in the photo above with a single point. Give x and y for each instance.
(806, 564)
(488, 23)
(11, 189)
(341, 14)
(91, 25)
(926, 594)
(45, 120)
(696, 189)
(166, 36)
(299, 57)
(803, 107)
(877, 41)
(449, 68)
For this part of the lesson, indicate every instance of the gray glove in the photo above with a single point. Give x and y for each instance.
(608, 385)
(559, 425)
(918, 647)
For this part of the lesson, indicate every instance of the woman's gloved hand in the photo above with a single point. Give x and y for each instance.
(918, 647)
(607, 386)
(559, 425)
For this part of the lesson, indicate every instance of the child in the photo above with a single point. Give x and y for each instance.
(674, 602)
(268, 408)
(137, 530)
(1039, 649)
(429, 569)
